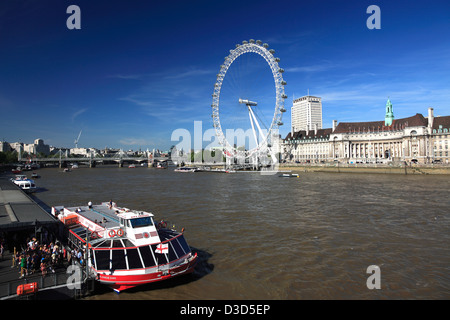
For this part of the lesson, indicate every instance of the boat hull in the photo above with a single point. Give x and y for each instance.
(126, 281)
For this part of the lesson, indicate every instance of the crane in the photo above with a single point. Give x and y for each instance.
(76, 141)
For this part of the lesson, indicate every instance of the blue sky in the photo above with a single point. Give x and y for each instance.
(138, 70)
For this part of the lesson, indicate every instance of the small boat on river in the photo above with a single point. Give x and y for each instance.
(17, 170)
(289, 175)
(126, 248)
(24, 183)
(186, 169)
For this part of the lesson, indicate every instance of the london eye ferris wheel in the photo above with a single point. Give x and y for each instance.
(248, 101)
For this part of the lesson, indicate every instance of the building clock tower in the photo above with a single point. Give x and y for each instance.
(389, 114)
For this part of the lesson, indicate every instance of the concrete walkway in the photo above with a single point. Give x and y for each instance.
(18, 210)
(51, 286)
(20, 213)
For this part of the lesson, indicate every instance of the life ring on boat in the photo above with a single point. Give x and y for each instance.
(146, 235)
(119, 233)
(111, 233)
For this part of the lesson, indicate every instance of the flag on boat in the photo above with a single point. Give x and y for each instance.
(162, 248)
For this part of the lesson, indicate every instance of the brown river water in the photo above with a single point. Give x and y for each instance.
(267, 237)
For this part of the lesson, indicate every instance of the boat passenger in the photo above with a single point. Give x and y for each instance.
(90, 205)
(23, 266)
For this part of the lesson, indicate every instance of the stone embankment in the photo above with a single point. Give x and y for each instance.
(361, 168)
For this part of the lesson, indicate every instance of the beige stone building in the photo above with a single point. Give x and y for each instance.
(416, 139)
(307, 146)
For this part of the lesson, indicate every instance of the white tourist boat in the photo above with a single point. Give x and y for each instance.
(24, 183)
(186, 169)
(289, 175)
(126, 247)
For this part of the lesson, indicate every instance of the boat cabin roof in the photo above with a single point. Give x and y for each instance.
(24, 182)
(108, 217)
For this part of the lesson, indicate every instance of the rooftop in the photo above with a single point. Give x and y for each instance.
(441, 121)
(311, 134)
(377, 126)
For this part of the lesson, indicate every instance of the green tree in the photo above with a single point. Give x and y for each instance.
(8, 157)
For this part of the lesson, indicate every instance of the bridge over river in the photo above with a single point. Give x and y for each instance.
(120, 158)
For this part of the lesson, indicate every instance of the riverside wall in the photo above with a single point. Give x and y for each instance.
(362, 168)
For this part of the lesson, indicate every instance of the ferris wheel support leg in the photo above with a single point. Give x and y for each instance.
(257, 123)
(253, 127)
(229, 162)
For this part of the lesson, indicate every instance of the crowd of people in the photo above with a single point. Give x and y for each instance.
(37, 257)
(44, 258)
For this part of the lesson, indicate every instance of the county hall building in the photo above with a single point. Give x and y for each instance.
(416, 139)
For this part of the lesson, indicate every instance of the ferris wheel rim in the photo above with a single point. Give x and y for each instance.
(262, 49)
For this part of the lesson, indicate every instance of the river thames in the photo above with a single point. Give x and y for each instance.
(267, 237)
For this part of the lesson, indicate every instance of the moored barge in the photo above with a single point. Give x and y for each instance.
(126, 247)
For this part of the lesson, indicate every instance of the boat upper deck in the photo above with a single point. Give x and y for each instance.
(110, 221)
(100, 214)
(103, 214)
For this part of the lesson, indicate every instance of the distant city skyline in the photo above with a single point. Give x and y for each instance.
(138, 70)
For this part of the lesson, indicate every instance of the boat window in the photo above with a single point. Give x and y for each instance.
(147, 256)
(134, 262)
(117, 244)
(184, 244)
(104, 244)
(172, 254)
(127, 243)
(118, 260)
(177, 248)
(141, 222)
(102, 259)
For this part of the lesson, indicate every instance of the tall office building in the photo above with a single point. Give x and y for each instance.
(306, 113)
